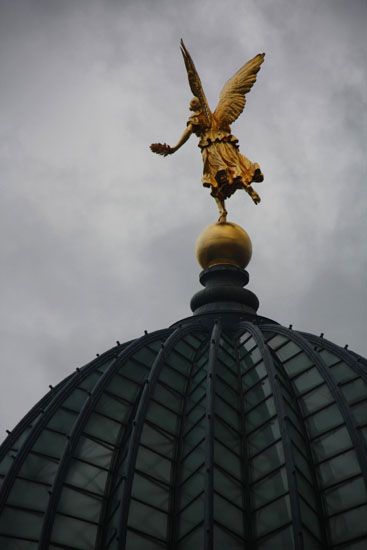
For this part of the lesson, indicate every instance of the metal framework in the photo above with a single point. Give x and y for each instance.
(199, 417)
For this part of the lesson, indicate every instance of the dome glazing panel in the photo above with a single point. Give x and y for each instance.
(210, 434)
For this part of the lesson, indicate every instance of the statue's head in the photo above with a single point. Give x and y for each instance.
(195, 104)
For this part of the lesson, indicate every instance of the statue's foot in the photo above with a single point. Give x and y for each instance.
(255, 197)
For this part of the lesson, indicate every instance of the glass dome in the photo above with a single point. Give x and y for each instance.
(224, 431)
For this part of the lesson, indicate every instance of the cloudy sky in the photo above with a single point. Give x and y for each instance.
(97, 233)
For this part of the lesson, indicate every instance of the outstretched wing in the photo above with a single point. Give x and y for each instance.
(195, 82)
(232, 98)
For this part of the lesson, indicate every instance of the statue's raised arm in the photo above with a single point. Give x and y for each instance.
(225, 168)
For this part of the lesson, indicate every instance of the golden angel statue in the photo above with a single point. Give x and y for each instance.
(225, 168)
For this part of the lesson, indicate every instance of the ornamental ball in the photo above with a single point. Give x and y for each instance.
(223, 243)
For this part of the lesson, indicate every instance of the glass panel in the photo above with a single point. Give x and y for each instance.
(114, 408)
(29, 495)
(90, 381)
(260, 414)
(228, 460)
(86, 477)
(77, 504)
(173, 379)
(355, 390)
(324, 420)
(272, 516)
(223, 540)
(151, 492)
(137, 542)
(228, 436)
(345, 496)
(39, 468)
(267, 461)
(194, 540)
(310, 543)
(102, 428)
(281, 539)
(12, 521)
(317, 399)
(145, 355)
(328, 358)
(50, 443)
(359, 545)
(360, 412)
(191, 516)
(302, 464)
(62, 421)
(308, 380)
(161, 416)
(341, 373)
(76, 400)
(228, 487)
(275, 340)
(310, 519)
(269, 488)
(158, 441)
(91, 451)
(178, 363)
(168, 396)
(306, 489)
(16, 544)
(263, 437)
(348, 525)
(339, 468)
(229, 415)
(156, 465)
(192, 487)
(287, 351)
(257, 394)
(329, 444)
(68, 530)
(254, 375)
(297, 364)
(228, 515)
(147, 519)
(194, 436)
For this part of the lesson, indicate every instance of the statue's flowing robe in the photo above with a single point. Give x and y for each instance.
(225, 168)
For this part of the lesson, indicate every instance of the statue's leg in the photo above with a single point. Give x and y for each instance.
(222, 210)
(251, 191)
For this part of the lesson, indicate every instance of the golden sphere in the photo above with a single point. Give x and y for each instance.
(223, 243)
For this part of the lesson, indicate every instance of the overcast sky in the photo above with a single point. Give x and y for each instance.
(97, 233)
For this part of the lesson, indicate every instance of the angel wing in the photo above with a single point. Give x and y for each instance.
(195, 83)
(232, 98)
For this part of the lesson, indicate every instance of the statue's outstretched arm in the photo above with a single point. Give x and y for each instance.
(164, 149)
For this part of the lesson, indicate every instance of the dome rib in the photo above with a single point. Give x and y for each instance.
(354, 361)
(209, 438)
(335, 391)
(80, 422)
(245, 463)
(287, 443)
(302, 431)
(36, 430)
(137, 427)
(177, 470)
(27, 420)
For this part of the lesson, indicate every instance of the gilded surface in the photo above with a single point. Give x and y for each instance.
(225, 168)
(223, 243)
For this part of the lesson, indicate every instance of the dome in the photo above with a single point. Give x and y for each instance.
(225, 431)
